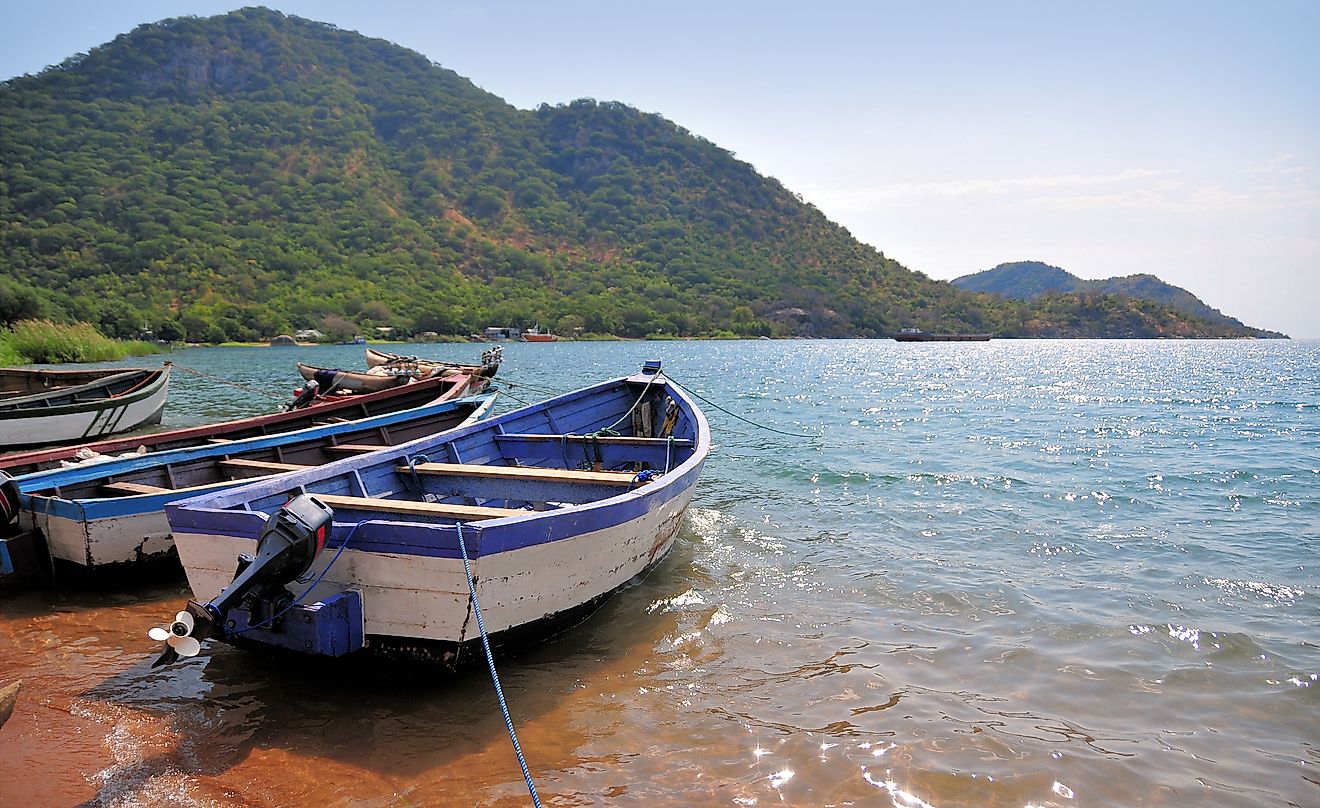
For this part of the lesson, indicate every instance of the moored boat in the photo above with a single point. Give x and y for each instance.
(110, 512)
(554, 507)
(115, 400)
(917, 335)
(490, 363)
(535, 334)
(354, 381)
(319, 412)
(8, 698)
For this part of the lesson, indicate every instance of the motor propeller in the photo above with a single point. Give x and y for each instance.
(183, 637)
(290, 541)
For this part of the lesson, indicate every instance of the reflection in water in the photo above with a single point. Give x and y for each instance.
(1007, 574)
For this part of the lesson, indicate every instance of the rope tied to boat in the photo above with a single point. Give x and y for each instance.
(229, 382)
(413, 460)
(748, 421)
(490, 662)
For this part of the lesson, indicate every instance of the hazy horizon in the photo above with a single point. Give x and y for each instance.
(1180, 140)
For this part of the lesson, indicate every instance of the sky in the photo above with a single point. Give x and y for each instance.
(1176, 138)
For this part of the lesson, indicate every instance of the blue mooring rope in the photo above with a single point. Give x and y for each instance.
(495, 677)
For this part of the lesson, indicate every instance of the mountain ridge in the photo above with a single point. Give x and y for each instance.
(1029, 280)
(237, 176)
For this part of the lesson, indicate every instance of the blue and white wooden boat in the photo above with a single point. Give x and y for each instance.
(112, 511)
(554, 506)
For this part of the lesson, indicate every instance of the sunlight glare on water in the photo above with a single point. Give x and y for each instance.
(1012, 573)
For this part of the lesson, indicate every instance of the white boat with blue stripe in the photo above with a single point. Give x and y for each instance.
(112, 511)
(552, 507)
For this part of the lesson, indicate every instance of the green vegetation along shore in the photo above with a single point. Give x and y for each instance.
(41, 341)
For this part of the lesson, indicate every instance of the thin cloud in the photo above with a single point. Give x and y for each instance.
(863, 197)
(1272, 185)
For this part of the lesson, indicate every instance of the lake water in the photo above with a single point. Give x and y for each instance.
(1014, 573)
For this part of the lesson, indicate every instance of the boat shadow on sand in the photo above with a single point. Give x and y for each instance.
(397, 721)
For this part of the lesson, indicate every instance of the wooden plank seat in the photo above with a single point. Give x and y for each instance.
(263, 466)
(353, 448)
(125, 487)
(410, 508)
(528, 473)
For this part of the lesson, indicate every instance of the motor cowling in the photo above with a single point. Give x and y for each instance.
(304, 396)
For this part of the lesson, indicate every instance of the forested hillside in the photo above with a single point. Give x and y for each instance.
(249, 174)
(1029, 280)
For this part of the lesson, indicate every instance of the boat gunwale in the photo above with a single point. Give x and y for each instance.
(331, 407)
(16, 409)
(222, 506)
(90, 471)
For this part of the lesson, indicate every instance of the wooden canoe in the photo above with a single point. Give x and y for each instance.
(548, 540)
(111, 512)
(8, 698)
(355, 381)
(324, 411)
(490, 363)
(116, 401)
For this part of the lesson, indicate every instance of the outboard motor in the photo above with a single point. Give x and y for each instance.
(292, 538)
(10, 504)
(303, 397)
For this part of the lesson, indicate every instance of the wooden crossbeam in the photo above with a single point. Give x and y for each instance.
(125, 487)
(411, 508)
(265, 466)
(354, 448)
(615, 478)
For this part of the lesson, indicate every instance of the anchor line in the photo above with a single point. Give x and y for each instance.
(490, 662)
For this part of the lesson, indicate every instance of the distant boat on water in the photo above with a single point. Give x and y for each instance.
(917, 335)
(534, 334)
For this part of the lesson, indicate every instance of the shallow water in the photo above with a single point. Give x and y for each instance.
(1008, 573)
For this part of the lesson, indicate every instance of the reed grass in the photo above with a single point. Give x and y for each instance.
(33, 341)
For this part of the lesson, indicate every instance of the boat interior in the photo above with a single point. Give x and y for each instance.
(97, 390)
(197, 469)
(565, 452)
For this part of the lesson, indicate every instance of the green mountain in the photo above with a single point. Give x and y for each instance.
(248, 174)
(1029, 280)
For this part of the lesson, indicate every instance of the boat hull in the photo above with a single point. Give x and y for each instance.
(85, 420)
(94, 531)
(426, 597)
(324, 411)
(426, 368)
(352, 380)
(557, 504)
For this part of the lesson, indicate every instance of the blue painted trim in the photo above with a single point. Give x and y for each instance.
(214, 514)
(38, 481)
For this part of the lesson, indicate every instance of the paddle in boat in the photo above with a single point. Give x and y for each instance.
(110, 512)
(524, 523)
(38, 407)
